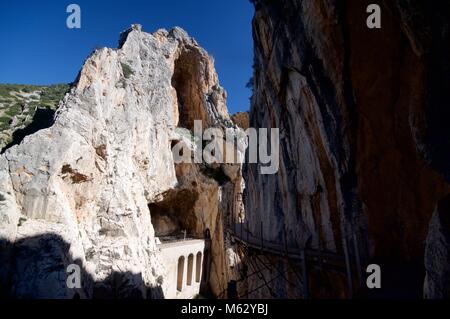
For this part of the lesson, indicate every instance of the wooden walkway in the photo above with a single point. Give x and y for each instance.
(307, 258)
(348, 263)
(333, 260)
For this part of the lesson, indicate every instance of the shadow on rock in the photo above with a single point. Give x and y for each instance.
(43, 118)
(36, 268)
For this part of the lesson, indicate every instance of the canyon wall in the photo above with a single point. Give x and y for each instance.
(364, 143)
(86, 190)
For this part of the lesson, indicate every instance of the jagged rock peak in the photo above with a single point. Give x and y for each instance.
(178, 52)
(177, 33)
(124, 34)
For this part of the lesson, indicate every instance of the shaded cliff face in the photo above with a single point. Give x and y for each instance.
(87, 189)
(364, 146)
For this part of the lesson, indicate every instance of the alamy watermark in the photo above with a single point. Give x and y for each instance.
(73, 21)
(373, 21)
(73, 276)
(234, 146)
(374, 278)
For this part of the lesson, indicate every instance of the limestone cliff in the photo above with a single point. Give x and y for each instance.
(80, 190)
(364, 147)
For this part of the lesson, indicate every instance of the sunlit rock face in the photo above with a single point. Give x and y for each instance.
(363, 137)
(79, 191)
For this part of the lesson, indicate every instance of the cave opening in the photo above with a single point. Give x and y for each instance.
(173, 217)
(186, 81)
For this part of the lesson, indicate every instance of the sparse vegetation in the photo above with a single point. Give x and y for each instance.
(51, 95)
(19, 102)
(186, 133)
(249, 84)
(4, 122)
(225, 122)
(21, 221)
(127, 70)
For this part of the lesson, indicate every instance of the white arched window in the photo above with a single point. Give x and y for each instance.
(190, 268)
(180, 273)
(198, 267)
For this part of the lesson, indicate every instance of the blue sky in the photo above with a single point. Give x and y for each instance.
(38, 48)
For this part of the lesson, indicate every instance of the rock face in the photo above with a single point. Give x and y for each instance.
(241, 119)
(437, 253)
(80, 190)
(364, 146)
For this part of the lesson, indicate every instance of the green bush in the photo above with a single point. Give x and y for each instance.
(13, 106)
(127, 70)
(21, 221)
(4, 122)
(14, 110)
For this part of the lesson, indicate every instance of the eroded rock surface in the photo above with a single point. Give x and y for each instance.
(79, 191)
(363, 140)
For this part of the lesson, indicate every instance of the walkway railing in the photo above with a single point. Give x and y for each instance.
(241, 233)
(306, 257)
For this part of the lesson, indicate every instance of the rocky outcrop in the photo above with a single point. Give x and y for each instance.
(241, 119)
(363, 140)
(80, 190)
(437, 253)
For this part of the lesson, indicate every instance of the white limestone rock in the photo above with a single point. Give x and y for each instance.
(87, 180)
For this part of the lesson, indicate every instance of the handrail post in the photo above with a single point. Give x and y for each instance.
(248, 231)
(285, 242)
(233, 222)
(305, 275)
(320, 254)
(348, 266)
(262, 240)
(357, 256)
